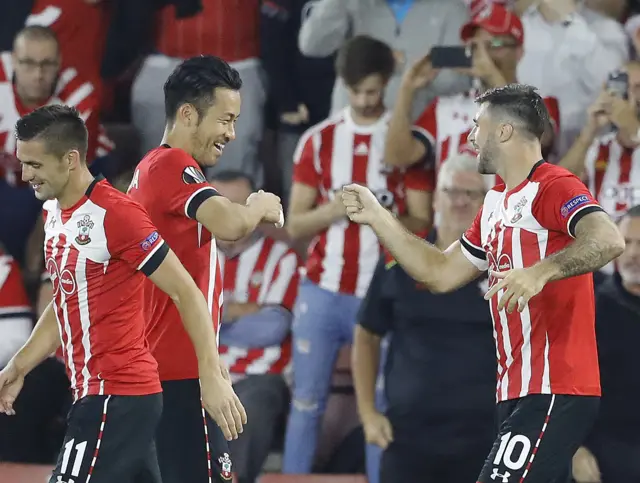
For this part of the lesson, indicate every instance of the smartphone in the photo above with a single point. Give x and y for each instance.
(450, 56)
(618, 83)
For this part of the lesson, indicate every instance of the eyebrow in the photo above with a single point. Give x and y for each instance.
(29, 163)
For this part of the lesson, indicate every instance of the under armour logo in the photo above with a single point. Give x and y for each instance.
(505, 477)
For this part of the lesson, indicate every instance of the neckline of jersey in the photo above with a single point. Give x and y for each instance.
(527, 179)
(86, 196)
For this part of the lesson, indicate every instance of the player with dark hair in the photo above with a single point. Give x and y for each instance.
(99, 246)
(540, 235)
(202, 102)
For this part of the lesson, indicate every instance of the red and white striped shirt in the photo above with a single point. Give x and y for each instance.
(335, 153)
(96, 253)
(266, 273)
(613, 173)
(447, 122)
(13, 296)
(169, 184)
(549, 347)
(70, 90)
(228, 29)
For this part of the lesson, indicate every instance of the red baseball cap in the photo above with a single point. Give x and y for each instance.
(495, 19)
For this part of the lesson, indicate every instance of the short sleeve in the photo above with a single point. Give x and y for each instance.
(132, 237)
(471, 244)
(306, 167)
(420, 177)
(181, 184)
(376, 310)
(562, 203)
(426, 128)
(283, 288)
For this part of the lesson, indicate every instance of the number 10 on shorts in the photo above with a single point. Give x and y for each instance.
(509, 448)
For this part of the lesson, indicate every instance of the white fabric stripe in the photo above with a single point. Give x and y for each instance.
(7, 65)
(213, 262)
(151, 253)
(263, 363)
(472, 244)
(79, 95)
(193, 195)
(105, 407)
(206, 439)
(246, 265)
(542, 431)
(277, 289)
(85, 320)
(67, 76)
(506, 339)
(268, 272)
(65, 318)
(543, 238)
(15, 310)
(479, 263)
(341, 167)
(525, 318)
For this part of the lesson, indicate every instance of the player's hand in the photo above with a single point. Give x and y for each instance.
(599, 112)
(519, 284)
(585, 467)
(624, 116)
(361, 204)
(377, 429)
(222, 404)
(420, 74)
(271, 206)
(11, 382)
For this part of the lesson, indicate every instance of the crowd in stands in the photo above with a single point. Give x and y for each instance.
(339, 358)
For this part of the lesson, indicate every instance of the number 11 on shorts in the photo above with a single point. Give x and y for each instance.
(77, 461)
(507, 448)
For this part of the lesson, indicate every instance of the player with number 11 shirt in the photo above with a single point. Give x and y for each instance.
(202, 103)
(540, 235)
(99, 246)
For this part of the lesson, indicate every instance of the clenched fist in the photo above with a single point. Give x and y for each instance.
(271, 206)
(361, 204)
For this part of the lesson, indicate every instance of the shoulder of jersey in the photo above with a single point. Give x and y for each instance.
(547, 172)
(331, 121)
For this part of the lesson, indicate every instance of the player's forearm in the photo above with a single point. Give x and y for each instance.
(574, 160)
(198, 324)
(420, 259)
(240, 221)
(399, 135)
(366, 359)
(309, 224)
(586, 254)
(44, 340)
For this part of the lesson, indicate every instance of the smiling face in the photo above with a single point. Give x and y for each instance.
(215, 128)
(47, 174)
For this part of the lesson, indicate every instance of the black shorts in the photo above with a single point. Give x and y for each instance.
(537, 438)
(191, 446)
(110, 438)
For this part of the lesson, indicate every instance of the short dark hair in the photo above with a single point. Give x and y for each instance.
(60, 127)
(521, 103)
(37, 32)
(362, 56)
(233, 175)
(194, 81)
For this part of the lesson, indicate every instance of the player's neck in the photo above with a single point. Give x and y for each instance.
(76, 188)
(175, 140)
(517, 166)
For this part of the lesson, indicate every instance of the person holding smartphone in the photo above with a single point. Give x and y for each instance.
(494, 39)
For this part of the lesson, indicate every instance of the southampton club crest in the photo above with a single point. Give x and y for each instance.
(225, 466)
(84, 228)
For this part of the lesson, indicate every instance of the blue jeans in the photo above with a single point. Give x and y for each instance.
(323, 322)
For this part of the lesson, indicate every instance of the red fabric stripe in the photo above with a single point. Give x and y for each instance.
(600, 169)
(254, 288)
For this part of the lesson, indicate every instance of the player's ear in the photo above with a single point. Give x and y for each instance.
(505, 131)
(188, 114)
(73, 159)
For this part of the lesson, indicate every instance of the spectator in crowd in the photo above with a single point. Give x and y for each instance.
(299, 87)
(569, 50)
(260, 283)
(224, 28)
(610, 161)
(614, 445)
(496, 37)
(439, 423)
(34, 434)
(345, 148)
(410, 27)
